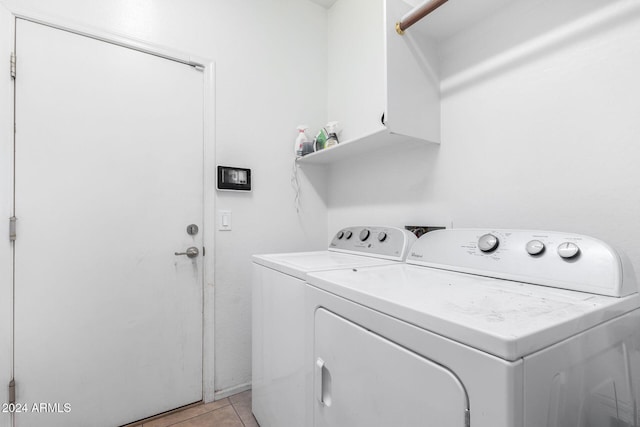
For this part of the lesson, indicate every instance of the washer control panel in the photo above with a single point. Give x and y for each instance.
(562, 260)
(382, 242)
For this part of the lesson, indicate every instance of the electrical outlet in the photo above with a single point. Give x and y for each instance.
(419, 230)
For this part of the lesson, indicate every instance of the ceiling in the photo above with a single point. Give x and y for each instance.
(329, 3)
(324, 3)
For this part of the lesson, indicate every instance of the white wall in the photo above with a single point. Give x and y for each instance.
(540, 130)
(270, 77)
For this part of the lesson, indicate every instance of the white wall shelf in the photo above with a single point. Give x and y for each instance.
(350, 150)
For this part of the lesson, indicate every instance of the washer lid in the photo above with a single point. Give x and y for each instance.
(505, 318)
(297, 264)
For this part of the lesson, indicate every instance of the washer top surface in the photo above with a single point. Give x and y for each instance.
(506, 292)
(298, 264)
(359, 246)
(501, 317)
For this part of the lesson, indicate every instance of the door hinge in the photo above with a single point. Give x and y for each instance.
(13, 65)
(203, 251)
(12, 391)
(467, 418)
(12, 228)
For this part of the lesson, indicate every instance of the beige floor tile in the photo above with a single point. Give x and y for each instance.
(242, 404)
(223, 417)
(245, 395)
(249, 421)
(187, 414)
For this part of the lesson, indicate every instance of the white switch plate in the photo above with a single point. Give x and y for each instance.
(224, 220)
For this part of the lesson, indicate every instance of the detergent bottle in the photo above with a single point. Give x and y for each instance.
(300, 140)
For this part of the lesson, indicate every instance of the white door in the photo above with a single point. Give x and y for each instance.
(6, 199)
(365, 380)
(109, 154)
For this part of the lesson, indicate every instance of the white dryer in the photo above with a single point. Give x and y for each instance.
(280, 381)
(482, 328)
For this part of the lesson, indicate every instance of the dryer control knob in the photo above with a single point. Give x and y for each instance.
(347, 235)
(568, 250)
(364, 234)
(340, 235)
(488, 243)
(382, 236)
(535, 247)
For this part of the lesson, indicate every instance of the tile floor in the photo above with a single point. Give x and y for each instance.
(233, 411)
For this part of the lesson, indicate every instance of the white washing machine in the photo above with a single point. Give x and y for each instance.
(482, 328)
(280, 381)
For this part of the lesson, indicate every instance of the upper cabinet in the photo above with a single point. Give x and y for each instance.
(383, 88)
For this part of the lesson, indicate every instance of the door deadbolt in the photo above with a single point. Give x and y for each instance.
(191, 252)
(192, 229)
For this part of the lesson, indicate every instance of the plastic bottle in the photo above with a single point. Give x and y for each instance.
(300, 140)
(333, 136)
(320, 140)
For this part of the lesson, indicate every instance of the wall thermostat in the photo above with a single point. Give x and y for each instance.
(232, 178)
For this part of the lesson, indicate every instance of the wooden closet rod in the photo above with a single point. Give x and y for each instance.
(417, 14)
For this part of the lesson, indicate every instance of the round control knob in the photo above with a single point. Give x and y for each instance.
(347, 235)
(535, 247)
(382, 236)
(568, 250)
(364, 234)
(340, 235)
(488, 243)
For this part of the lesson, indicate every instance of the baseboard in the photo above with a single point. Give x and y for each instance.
(221, 394)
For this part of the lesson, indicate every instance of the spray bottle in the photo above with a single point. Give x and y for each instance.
(300, 140)
(333, 136)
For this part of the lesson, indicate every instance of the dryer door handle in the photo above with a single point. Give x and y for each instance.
(323, 383)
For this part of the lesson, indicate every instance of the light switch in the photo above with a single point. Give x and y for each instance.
(224, 220)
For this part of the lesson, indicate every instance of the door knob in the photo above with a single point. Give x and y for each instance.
(191, 252)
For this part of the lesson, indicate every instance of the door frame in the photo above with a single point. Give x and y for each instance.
(209, 176)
